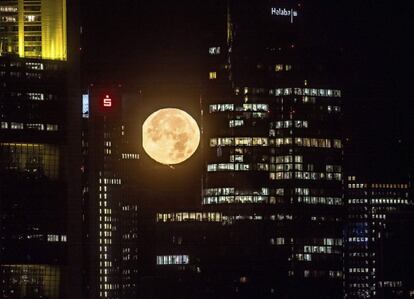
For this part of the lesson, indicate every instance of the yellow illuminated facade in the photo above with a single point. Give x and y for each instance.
(33, 28)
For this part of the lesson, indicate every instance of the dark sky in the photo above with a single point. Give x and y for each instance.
(156, 42)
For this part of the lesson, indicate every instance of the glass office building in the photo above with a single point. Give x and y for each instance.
(33, 180)
(273, 151)
(376, 240)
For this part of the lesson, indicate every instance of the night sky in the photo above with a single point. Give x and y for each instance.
(148, 44)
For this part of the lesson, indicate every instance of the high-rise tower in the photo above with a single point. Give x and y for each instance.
(33, 173)
(374, 248)
(273, 151)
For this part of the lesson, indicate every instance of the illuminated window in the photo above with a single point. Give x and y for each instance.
(278, 67)
(236, 123)
(212, 75)
(34, 65)
(36, 96)
(221, 107)
(39, 127)
(214, 50)
(173, 260)
(50, 127)
(16, 126)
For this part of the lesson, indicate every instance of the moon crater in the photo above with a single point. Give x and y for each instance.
(170, 136)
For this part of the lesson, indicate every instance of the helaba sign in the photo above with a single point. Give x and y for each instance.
(284, 12)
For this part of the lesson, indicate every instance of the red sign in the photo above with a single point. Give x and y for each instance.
(107, 101)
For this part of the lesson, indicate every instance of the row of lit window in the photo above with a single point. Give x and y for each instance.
(22, 126)
(228, 167)
(105, 219)
(315, 200)
(357, 186)
(19, 74)
(286, 159)
(394, 186)
(360, 254)
(110, 181)
(8, 8)
(241, 108)
(173, 260)
(319, 249)
(232, 191)
(264, 141)
(305, 92)
(32, 18)
(106, 264)
(289, 91)
(233, 123)
(311, 142)
(8, 19)
(299, 166)
(235, 199)
(189, 216)
(391, 284)
(130, 208)
(288, 124)
(360, 270)
(389, 201)
(104, 233)
(215, 217)
(130, 156)
(304, 175)
(303, 257)
(361, 285)
(378, 201)
(322, 273)
(240, 141)
(358, 239)
(56, 238)
(284, 173)
(36, 96)
(231, 199)
(105, 211)
(48, 238)
(382, 186)
(105, 226)
(35, 65)
(282, 67)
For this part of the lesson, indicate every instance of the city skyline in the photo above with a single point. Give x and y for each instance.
(282, 168)
(368, 36)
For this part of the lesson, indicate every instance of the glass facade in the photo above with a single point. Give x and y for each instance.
(30, 281)
(110, 226)
(370, 205)
(33, 180)
(273, 153)
(42, 159)
(33, 29)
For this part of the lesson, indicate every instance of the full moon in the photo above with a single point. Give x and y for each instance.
(170, 136)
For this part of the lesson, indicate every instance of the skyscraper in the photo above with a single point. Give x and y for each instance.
(373, 247)
(109, 205)
(33, 184)
(273, 151)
